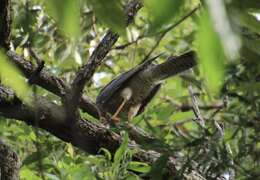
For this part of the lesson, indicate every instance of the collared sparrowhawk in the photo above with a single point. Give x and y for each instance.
(128, 94)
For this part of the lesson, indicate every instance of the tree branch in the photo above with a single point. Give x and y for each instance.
(57, 86)
(96, 58)
(86, 135)
(50, 82)
(187, 107)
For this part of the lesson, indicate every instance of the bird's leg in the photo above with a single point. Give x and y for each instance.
(126, 94)
(114, 117)
(133, 112)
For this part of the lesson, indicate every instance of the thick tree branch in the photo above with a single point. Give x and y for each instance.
(9, 163)
(50, 82)
(86, 135)
(96, 58)
(58, 87)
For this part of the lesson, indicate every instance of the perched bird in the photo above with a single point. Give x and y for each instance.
(127, 95)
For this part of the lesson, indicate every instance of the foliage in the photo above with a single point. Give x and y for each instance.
(227, 83)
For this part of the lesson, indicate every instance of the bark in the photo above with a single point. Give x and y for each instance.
(9, 163)
(50, 82)
(86, 135)
(5, 23)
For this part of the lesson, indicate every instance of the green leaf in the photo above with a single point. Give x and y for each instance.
(67, 15)
(70, 150)
(228, 38)
(139, 167)
(247, 4)
(122, 149)
(28, 174)
(164, 112)
(161, 12)
(182, 116)
(110, 13)
(107, 153)
(252, 43)
(211, 54)
(12, 77)
(31, 158)
(174, 88)
(156, 172)
(80, 172)
(250, 21)
(51, 176)
(132, 177)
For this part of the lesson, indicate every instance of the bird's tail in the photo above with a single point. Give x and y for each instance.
(174, 65)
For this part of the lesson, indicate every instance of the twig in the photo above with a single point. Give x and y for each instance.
(161, 33)
(38, 70)
(123, 46)
(195, 108)
(35, 56)
(201, 120)
(187, 107)
(164, 32)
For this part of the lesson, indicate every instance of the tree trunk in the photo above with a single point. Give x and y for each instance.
(9, 163)
(5, 23)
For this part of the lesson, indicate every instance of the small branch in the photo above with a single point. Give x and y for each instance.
(187, 107)
(201, 120)
(161, 34)
(36, 73)
(164, 32)
(86, 72)
(123, 46)
(195, 108)
(38, 70)
(96, 58)
(35, 56)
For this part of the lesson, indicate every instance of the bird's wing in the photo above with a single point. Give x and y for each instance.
(148, 98)
(111, 88)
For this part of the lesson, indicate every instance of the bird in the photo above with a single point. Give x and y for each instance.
(127, 95)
